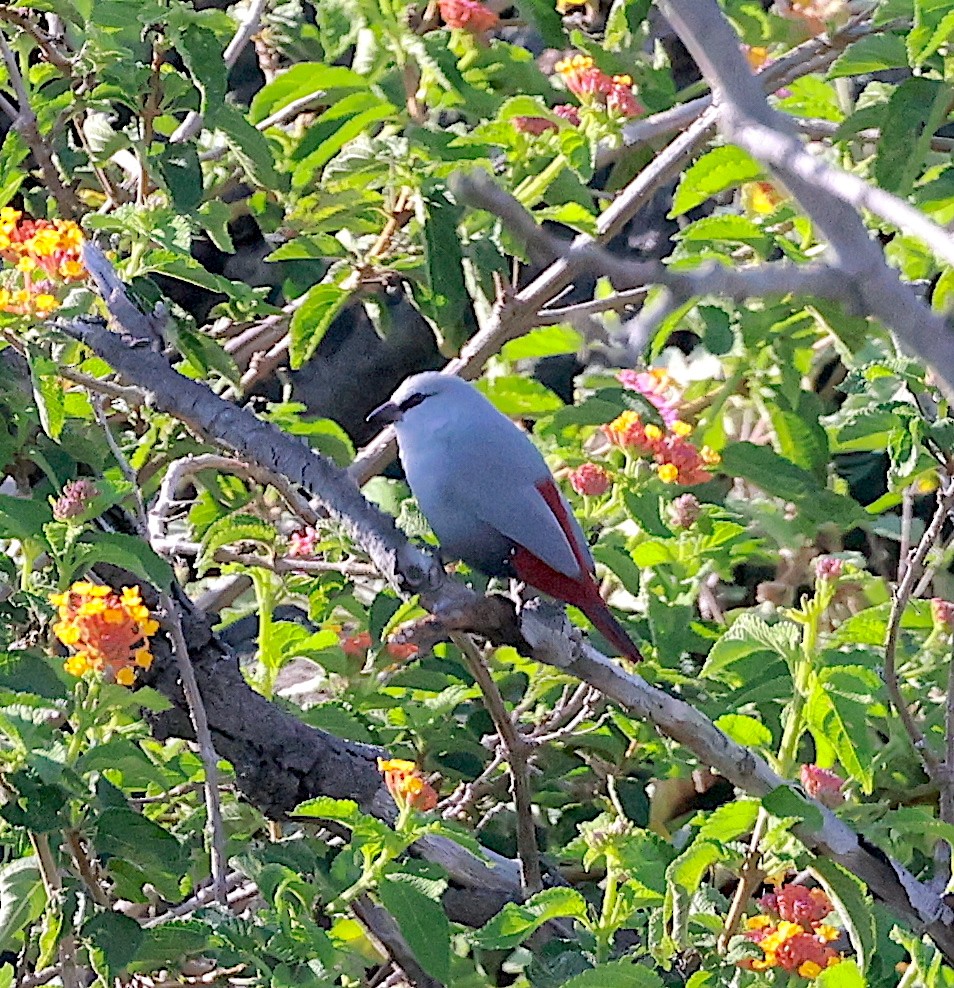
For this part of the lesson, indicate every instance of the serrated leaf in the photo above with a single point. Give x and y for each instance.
(48, 393)
(313, 318)
(544, 341)
(520, 397)
(854, 906)
(786, 803)
(515, 922)
(22, 898)
(730, 821)
(126, 551)
(325, 82)
(251, 149)
(543, 16)
(443, 267)
(749, 635)
(423, 923)
(722, 168)
(115, 939)
(202, 56)
(726, 227)
(745, 730)
(915, 110)
(875, 53)
(230, 529)
(326, 808)
(683, 877)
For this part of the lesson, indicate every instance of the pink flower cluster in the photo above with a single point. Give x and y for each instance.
(468, 15)
(942, 612)
(592, 85)
(590, 479)
(678, 461)
(823, 784)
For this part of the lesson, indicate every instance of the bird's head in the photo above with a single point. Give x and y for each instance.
(424, 399)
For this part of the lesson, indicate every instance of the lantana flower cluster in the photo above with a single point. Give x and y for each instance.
(823, 784)
(593, 87)
(678, 460)
(792, 932)
(45, 256)
(408, 788)
(109, 631)
(75, 499)
(468, 15)
(357, 646)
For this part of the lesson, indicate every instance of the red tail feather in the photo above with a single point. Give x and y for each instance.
(582, 593)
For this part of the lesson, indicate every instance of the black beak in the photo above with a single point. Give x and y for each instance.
(385, 414)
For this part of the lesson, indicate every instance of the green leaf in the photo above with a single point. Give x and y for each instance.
(520, 397)
(745, 730)
(251, 149)
(543, 16)
(775, 475)
(22, 898)
(312, 319)
(843, 975)
(22, 518)
(423, 923)
(933, 26)
(27, 672)
(915, 111)
(730, 821)
(874, 53)
(128, 552)
(624, 973)
(170, 943)
(325, 808)
(722, 168)
(544, 341)
(47, 392)
(751, 635)
(233, 528)
(447, 295)
(787, 803)
(325, 82)
(129, 836)
(515, 922)
(729, 228)
(202, 55)
(683, 878)
(837, 714)
(854, 906)
(115, 939)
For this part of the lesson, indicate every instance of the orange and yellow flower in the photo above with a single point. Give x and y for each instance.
(44, 257)
(408, 788)
(108, 631)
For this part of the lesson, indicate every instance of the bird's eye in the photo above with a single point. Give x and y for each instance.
(409, 403)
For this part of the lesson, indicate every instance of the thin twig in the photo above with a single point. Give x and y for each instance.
(26, 123)
(85, 870)
(125, 466)
(750, 877)
(516, 754)
(907, 515)
(899, 602)
(203, 736)
(53, 55)
(69, 971)
(612, 303)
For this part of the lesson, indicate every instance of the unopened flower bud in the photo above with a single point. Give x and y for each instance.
(685, 510)
(829, 567)
(591, 479)
(75, 499)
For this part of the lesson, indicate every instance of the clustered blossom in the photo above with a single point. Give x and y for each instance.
(468, 15)
(823, 784)
(657, 387)
(75, 499)
(590, 479)
(678, 461)
(302, 543)
(408, 788)
(794, 936)
(829, 567)
(761, 198)
(45, 257)
(109, 631)
(592, 86)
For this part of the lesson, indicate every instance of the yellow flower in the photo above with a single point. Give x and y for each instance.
(809, 969)
(758, 922)
(77, 665)
(709, 456)
(26, 264)
(681, 429)
(668, 473)
(73, 269)
(653, 432)
(396, 765)
(67, 633)
(143, 658)
(44, 243)
(125, 676)
(45, 303)
(826, 932)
